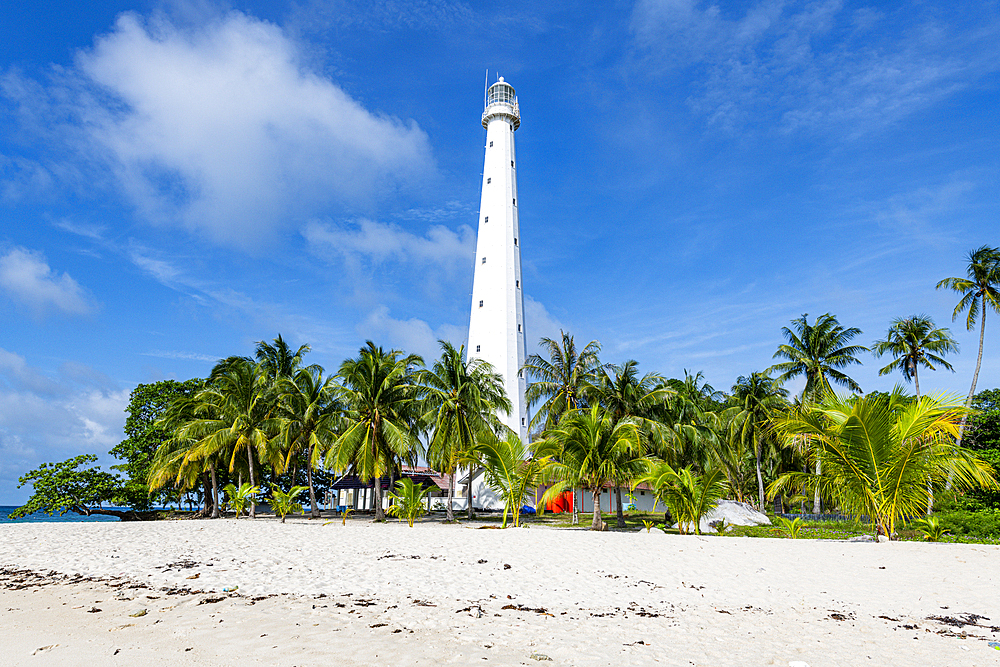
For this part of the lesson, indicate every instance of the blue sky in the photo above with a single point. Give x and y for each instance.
(181, 179)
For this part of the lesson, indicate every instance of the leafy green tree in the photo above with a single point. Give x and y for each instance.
(880, 451)
(513, 473)
(382, 404)
(983, 437)
(759, 398)
(688, 495)
(147, 404)
(64, 487)
(593, 449)
(560, 379)
(915, 342)
(980, 291)
(408, 500)
(461, 401)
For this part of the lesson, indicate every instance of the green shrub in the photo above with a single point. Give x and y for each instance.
(984, 524)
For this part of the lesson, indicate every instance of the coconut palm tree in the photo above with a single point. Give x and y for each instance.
(593, 450)
(914, 342)
(560, 379)
(462, 399)
(689, 496)
(513, 473)
(818, 351)
(759, 398)
(880, 451)
(277, 359)
(381, 415)
(624, 395)
(310, 418)
(234, 414)
(980, 291)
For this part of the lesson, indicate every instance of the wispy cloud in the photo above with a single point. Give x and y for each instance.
(27, 279)
(191, 356)
(815, 65)
(219, 128)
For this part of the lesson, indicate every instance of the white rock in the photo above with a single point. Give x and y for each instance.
(735, 514)
(883, 538)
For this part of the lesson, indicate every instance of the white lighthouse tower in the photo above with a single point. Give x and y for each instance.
(496, 327)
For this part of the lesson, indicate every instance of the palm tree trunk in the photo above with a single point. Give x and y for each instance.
(379, 511)
(313, 507)
(449, 511)
(576, 515)
(468, 494)
(253, 505)
(215, 491)
(597, 523)
(619, 518)
(760, 480)
(817, 501)
(972, 391)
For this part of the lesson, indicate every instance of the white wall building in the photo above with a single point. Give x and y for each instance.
(496, 327)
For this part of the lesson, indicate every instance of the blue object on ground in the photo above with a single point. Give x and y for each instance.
(527, 510)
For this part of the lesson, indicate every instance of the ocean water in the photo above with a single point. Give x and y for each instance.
(41, 517)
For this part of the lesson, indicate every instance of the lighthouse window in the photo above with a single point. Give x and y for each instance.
(484, 260)
(515, 240)
(519, 328)
(480, 304)
(486, 219)
(511, 163)
(515, 201)
(491, 144)
(489, 180)
(477, 348)
(517, 283)
(522, 421)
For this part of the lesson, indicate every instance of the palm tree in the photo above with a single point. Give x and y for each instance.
(309, 418)
(462, 400)
(235, 413)
(914, 342)
(980, 291)
(513, 472)
(818, 351)
(759, 399)
(880, 451)
(381, 414)
(593, 450)
(624, 395)
(277, 359)
(561, 378)
(688, 496)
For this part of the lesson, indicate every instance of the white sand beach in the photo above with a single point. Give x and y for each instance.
(370, 594)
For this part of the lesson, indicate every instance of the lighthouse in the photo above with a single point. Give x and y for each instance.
(496, 326)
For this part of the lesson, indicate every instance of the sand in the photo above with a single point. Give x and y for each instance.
(377, 594)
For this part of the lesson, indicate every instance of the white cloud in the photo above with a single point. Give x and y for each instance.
(381, 242)
(539, 323)
(53, 416)
(412, 335)
(28, 279)
(221, 128)
(814, 64)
